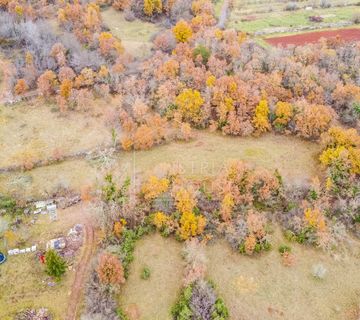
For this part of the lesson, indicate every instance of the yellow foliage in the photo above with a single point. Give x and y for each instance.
(189, 102)
(65, 88)
(152, 6)
(250, 243)
(119, 227)
(342, 145)
(182, 31)
(284, 112)
(210, 81)
(185, 201)
(219, 34)
(227, 205)
(261, 117)
(314, 218)
(160, 220)
(191, 225)
(154, 186)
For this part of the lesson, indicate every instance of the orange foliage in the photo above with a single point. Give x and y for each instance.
(110, 270)
(21, 86)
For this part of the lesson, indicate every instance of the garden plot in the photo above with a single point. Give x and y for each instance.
(135, 36)
(262, 288)
(155, 296)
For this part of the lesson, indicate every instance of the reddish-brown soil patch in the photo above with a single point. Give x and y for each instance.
(312, 37)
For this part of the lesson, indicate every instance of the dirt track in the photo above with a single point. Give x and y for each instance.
(313, 37)
(77, 287)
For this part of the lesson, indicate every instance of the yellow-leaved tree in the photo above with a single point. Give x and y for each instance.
(182, 31)
(261, 117)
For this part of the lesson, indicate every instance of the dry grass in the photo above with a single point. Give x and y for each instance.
(155, 296)
(201, 158)
(135, 35)
(262, 288)
(35, 131)
(23, 282)
(210, 152)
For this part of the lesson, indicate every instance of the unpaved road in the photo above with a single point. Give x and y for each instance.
(77, 288)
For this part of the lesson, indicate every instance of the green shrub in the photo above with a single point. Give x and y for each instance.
(221, 312)
(181, 310)
(203, 51)
(55, 264)
(284, 248)
(145, 274)
(127, 245)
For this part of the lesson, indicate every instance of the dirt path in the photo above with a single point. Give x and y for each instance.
(81, 272)
(224, 14)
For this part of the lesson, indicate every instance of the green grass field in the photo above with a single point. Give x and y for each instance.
(263, 21)
(135, 35)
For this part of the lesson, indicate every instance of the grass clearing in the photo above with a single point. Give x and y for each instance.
(36, 131)
(135, 35)
(265, 21)
(155, 296)
(201, 158)
(262, 288)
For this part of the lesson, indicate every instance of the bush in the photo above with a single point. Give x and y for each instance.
(203, 52)
(325, 4)
(284, 248)
(145, 274)
(55, 264)
(291, 6)
(110, 270)
(356, 18)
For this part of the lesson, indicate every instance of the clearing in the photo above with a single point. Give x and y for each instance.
(313, 37)
(154, 297)
(135, 35)
(203, 157)
(261, 288)
(32, 131)
(271, 18)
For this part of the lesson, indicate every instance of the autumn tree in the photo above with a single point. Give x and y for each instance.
(21, 86)
(46, 83)
(261, 118)
(152, 6)
(110, 270)
(182, 31)
(190, 102)
(313, 120)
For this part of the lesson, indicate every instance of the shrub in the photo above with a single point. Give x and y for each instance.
(182, 31)
(110, 270)
(203, 52)
(145, 273)
(291, 6)
(356, 18)
(284, 248)
(55, 264)
(154, 187)
(325, 4)
(21, 86)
